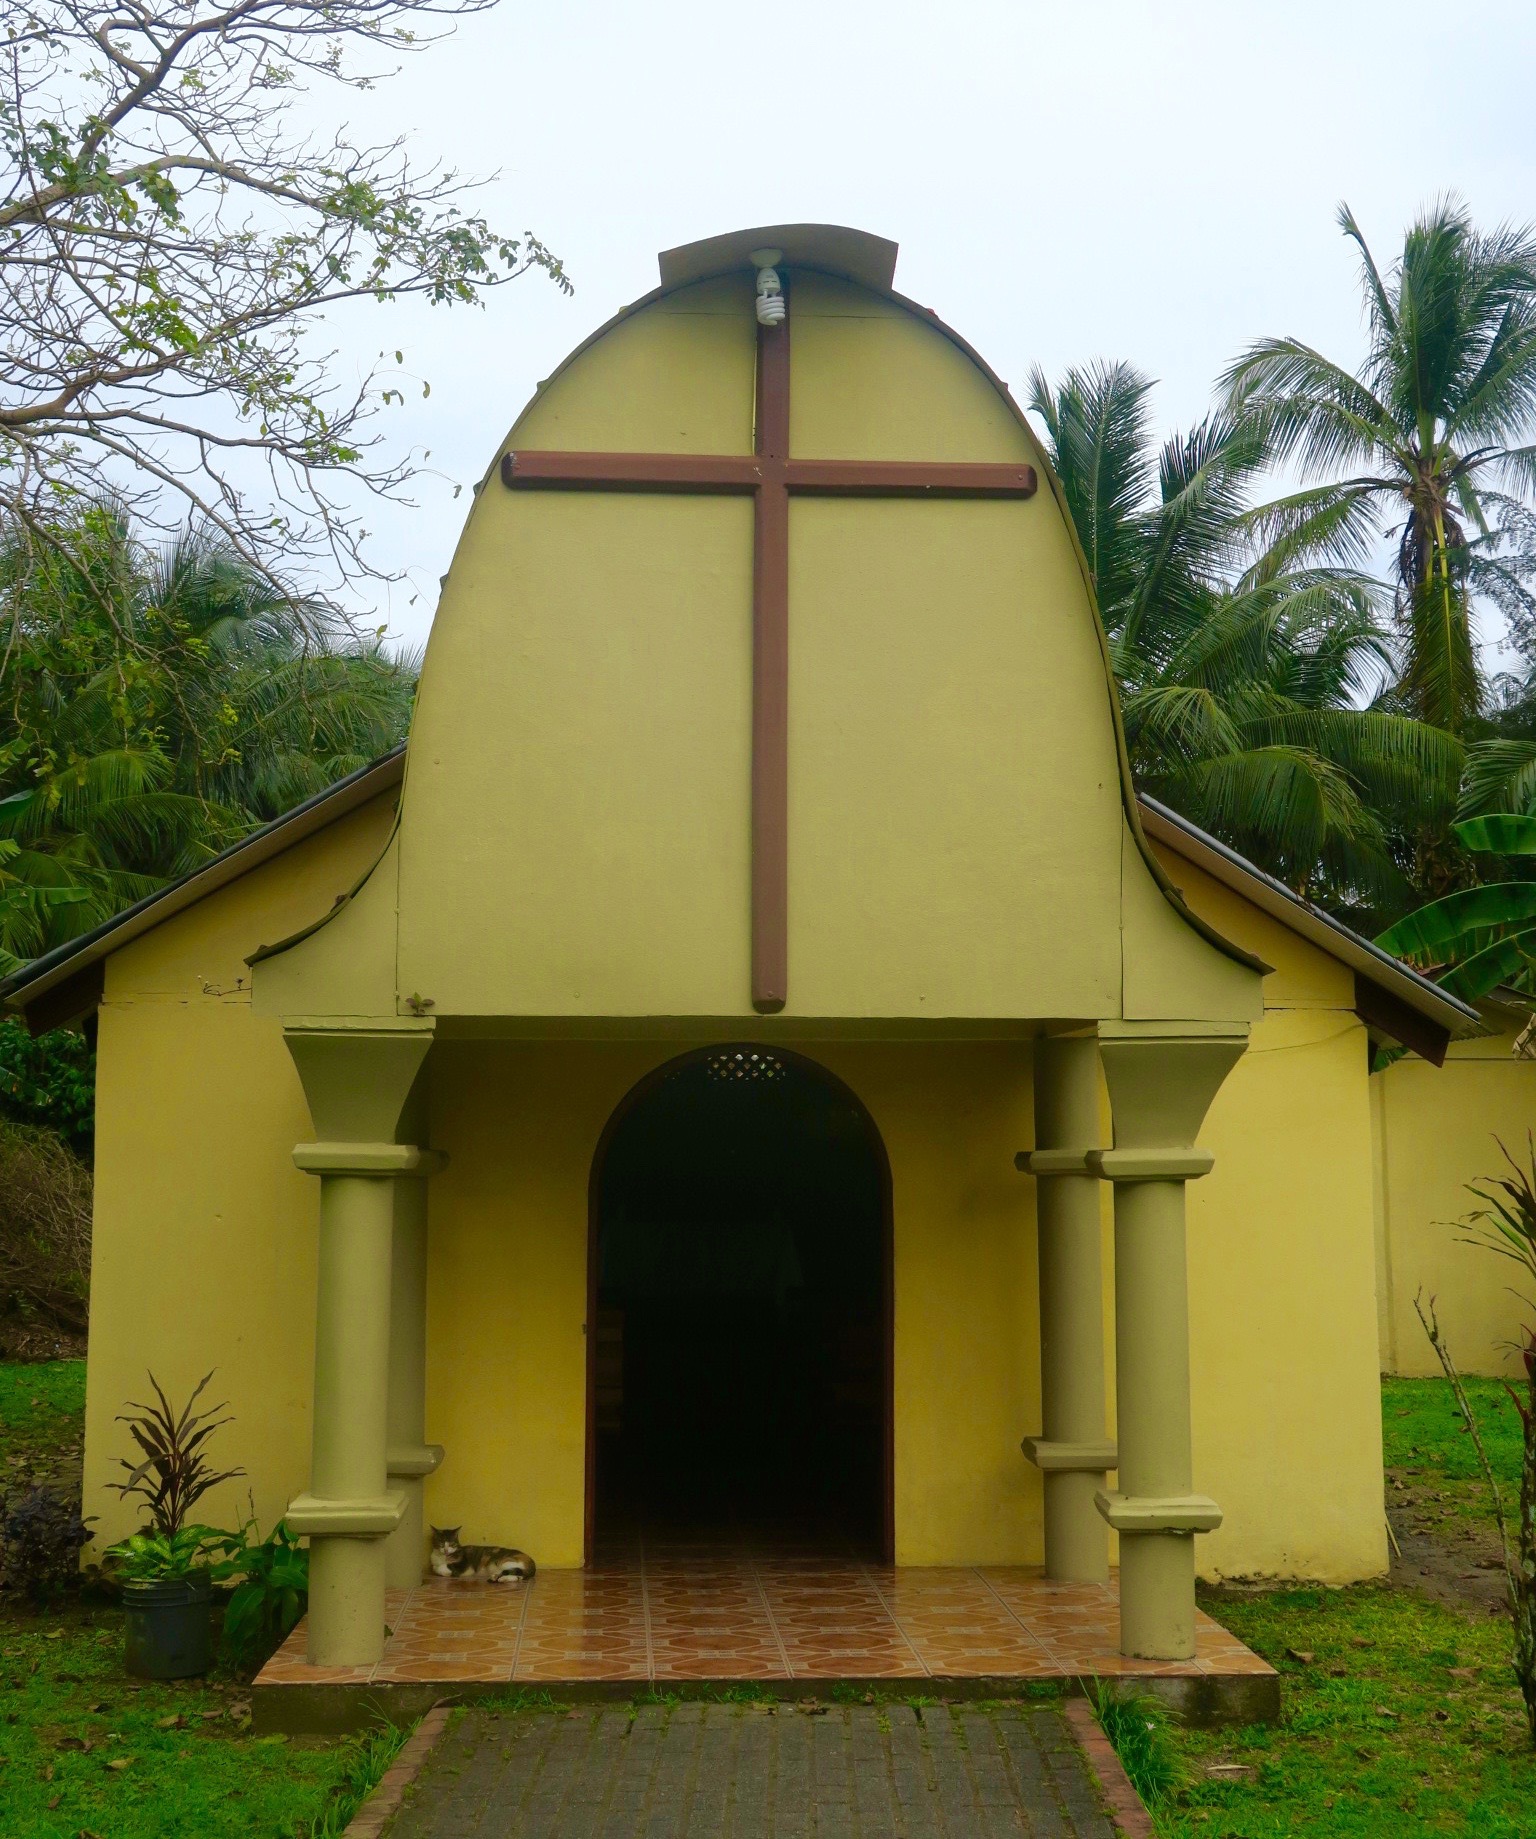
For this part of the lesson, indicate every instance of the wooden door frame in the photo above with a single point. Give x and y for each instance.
(640, 1090)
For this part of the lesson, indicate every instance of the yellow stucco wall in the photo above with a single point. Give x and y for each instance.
(203, 1250)
(206, 1237)
(1435, 1132)
(1287, 1421)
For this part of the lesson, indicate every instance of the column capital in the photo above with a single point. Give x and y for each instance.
(380, 1159)
(1162, 1077)
(358, 1074)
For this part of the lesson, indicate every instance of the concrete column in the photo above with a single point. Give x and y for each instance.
(1162, 1077)
(356, 1079)
(411, 1458)
(1073, 1454)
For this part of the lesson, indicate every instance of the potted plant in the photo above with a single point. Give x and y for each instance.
(167, 1592)
(165, 1567)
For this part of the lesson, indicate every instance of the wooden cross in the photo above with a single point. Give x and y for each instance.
(770, 476)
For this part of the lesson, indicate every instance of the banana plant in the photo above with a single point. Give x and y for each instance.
(1481, 938)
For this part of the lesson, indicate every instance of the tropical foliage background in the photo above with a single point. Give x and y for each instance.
(157, 702)
(1310, 673)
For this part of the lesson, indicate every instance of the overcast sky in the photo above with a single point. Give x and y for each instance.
(1094, 180)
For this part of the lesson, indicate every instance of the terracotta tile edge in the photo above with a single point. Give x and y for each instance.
(1126, 1808)
(384, 1803)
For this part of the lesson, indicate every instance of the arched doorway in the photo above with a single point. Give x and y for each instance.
(739, 1310)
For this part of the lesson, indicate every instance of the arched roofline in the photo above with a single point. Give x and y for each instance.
(840, 272)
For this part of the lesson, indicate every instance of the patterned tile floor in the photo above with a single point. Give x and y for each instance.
(682, 1613)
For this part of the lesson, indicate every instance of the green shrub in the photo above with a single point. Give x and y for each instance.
(269, 1599)
(40, 1541)
(49, 1081)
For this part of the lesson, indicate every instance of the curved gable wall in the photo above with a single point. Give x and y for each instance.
(575, 829)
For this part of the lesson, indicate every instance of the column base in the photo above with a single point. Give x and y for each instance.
(1076, 1544)
(346, 1602)
(405, 1550)
(1076, 1548)
(1157, 1595)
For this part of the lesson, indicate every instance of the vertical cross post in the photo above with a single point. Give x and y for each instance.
(770, 678)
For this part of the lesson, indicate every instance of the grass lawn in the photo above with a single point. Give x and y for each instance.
(1431, 1464)
(42, 1413)
(1400, 1712)
(86, 1752)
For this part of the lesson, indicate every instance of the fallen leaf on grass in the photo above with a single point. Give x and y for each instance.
(120, 1763)
(176, 1721)
(1385, 1711)
(210, 1716)
(54, 1802)
(1462, 1672)
(1300, 1655)
(1360, 1641)
(1231, 1771)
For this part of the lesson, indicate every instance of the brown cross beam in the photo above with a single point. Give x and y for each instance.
(770, 476)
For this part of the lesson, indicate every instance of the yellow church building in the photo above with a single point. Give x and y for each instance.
(752, 1056)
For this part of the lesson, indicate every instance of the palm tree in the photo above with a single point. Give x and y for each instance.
(1426, 440)
(155, 706)
(1242, 671)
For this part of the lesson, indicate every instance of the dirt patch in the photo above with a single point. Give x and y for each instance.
(1441, 1554)
(25, 1340)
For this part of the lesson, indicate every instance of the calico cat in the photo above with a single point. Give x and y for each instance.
(477, 1564)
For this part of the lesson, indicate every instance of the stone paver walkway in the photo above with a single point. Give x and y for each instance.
(758, 1771)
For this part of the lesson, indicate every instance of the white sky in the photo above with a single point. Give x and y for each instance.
(1106, 180)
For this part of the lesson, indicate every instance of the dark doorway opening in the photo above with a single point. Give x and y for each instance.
(738, 1352)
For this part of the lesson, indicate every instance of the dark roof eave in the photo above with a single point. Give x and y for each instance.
(68, 960)
(1350, 947)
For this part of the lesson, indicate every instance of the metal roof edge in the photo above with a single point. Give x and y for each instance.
(1310, 922)
(305, 820)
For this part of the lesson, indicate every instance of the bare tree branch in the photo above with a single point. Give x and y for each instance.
(168, 248)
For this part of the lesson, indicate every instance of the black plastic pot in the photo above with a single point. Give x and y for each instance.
(170, 1627)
